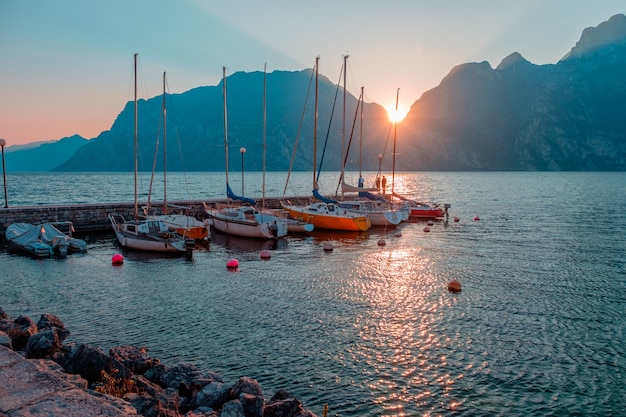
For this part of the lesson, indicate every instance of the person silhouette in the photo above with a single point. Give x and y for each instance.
(384, 184)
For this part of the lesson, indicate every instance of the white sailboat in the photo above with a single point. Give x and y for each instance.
(243, 220)
(180, 221)
(145, 234)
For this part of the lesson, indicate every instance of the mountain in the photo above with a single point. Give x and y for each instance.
(520, 116)
(517, 116)
(195, 137)
(42, 156)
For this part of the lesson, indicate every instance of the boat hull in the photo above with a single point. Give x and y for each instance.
(149, 236)
(247, 222)
(328, 221)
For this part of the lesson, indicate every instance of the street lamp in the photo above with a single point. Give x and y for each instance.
(243, 151)
(4, 173)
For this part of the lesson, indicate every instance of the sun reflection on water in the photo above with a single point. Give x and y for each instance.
(402, 291)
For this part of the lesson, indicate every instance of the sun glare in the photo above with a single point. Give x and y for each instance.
(396, 115)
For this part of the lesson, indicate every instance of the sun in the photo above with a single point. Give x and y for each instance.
(398, 115)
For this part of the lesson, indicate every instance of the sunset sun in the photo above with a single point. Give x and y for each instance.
(396, 115)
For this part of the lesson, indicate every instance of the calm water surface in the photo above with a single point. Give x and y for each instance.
(369, 330)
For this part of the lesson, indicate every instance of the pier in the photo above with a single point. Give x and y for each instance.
(89, 218)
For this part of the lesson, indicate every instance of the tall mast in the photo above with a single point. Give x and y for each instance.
(264, 127)
(317, 59)
(395, 131)
(164, 150)
(361, 133)
(225, 127)
(343, 123)
(135, 139)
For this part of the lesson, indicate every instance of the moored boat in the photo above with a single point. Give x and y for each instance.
(42, 240)
(246, 221)
(328, 216)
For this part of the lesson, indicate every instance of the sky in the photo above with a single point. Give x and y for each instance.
(66, 65)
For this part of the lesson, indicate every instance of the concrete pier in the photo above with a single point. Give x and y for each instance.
(88, 218)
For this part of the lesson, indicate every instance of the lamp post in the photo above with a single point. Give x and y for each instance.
(4, 173)
(243, 151)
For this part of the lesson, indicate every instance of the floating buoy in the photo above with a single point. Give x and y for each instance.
(454, 286)
(382, 242)
(430, 222)
(456, 219)
(265, 254)
(328, 247)
(427, 229)
(398, 233)
(476, 218)
(232, 264)
(117, 259)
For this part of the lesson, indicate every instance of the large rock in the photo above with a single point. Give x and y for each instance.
(43, 344)
(188, 379)
(134, 358)
(48, 321)
(90, 362)
(212, 395)
(20, 330)
(5, 340)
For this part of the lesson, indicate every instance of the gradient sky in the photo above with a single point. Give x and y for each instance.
(66, 65)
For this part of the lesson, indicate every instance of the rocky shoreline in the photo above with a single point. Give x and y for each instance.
(40, 375)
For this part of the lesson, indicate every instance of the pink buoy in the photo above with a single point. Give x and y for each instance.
(382, 242)
(328, 247)
(476, 218)
(232, 264)
(430, 222)
(427, 229)
(117, 259)
(454, 286)
(265, 254)
(456, 219)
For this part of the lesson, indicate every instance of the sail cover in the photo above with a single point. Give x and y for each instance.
(320, 197)
(230, 194)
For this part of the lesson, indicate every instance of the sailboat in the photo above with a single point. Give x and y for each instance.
(414, 209)
(325, 213)
(147, 234)
(180, 221)
(380, 212)
(243, 220)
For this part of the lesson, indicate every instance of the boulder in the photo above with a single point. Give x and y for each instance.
(43, 344)
(5, 340)
(252, 405)
(89, 362)
(20, 330)
(134, 358)
(212, 395)
(188, 379)
(246, 385)
(232, 408)
(48, 321)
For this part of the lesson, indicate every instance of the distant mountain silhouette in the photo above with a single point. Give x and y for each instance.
(41, 156)
(518, 116)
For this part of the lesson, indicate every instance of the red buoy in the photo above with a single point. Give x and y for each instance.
(265, 254)
(232, 264)
(476, 218)
(454, 286)
(427, 229)
(117, 259)
(456, 219)
(382, 242)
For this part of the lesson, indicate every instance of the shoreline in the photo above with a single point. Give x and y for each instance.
(39, 372)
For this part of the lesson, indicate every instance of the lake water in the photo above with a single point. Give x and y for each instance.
(370, 330)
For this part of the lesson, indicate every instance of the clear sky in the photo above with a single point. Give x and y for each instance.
(66, 65)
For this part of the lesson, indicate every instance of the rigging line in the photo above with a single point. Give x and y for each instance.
(345, 158)
(332, 112)
(295, 147)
